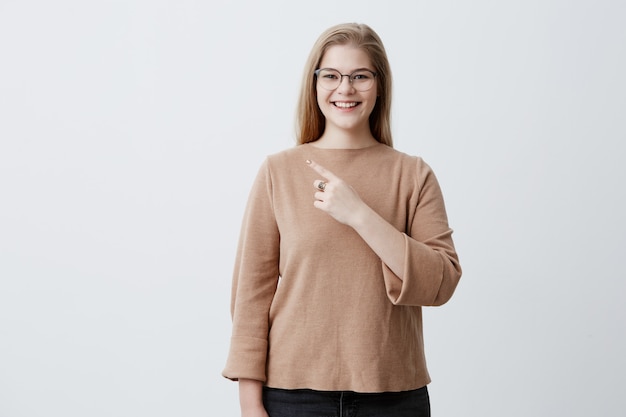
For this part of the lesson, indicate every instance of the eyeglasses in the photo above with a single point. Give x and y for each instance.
(330, 79)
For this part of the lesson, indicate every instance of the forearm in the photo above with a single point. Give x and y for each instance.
(251, 397)
(384, 239)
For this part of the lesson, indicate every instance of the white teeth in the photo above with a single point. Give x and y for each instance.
(345, 105)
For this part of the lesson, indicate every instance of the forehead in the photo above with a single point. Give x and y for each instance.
(345, 58)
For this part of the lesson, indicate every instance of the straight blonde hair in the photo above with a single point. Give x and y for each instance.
(310, 121)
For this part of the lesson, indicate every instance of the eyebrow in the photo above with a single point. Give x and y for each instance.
(358, 69)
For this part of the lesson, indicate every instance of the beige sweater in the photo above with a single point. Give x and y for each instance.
(312, 305)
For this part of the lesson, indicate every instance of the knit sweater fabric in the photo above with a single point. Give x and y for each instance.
(312, 305)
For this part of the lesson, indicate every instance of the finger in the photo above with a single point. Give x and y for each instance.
(321, 170)
(319, 185)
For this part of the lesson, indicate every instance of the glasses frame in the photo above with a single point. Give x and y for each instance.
(350, 77)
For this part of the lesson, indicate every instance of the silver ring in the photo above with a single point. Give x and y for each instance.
(321, 186)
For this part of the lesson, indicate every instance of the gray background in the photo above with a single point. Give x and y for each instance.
(130, 132)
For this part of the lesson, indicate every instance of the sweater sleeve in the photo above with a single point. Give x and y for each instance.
(431, 265)
(255, 279)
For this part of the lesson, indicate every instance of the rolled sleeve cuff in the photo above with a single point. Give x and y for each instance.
(247, 359)
(422, 276)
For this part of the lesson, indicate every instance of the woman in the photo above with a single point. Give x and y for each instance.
(343, 240)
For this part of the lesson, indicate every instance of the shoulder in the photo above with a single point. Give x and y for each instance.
(285, 158)
(418, 174)
(414, 163)
(280, 164)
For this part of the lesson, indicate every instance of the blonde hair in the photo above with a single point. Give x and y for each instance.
(310, 121)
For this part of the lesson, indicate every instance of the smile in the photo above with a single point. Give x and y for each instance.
(345, 105)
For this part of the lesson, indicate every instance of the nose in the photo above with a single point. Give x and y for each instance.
(345, 86)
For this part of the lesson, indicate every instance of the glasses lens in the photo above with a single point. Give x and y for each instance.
(329, 78)
(362, 80)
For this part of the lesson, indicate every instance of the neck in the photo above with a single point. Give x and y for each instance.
(342, 139)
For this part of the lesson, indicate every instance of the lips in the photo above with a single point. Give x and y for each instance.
(345, 104)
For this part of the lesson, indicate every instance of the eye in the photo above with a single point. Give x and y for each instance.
(329, 75)
(361, 75)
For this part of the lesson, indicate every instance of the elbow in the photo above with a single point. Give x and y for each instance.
(450, 279)
(424, 286)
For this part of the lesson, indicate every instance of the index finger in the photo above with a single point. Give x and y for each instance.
(321, 170)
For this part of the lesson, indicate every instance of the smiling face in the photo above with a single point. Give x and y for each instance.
(346, 110)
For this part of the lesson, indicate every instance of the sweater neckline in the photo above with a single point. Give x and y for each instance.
(310, 145)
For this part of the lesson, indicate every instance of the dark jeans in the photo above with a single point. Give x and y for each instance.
(309, 403)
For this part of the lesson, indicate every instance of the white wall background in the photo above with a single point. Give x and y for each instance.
(130, 132)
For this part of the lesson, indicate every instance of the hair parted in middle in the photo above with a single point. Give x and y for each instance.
(310, 121)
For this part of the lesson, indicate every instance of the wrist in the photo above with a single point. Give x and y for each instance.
(359, 217)
(250, 394)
